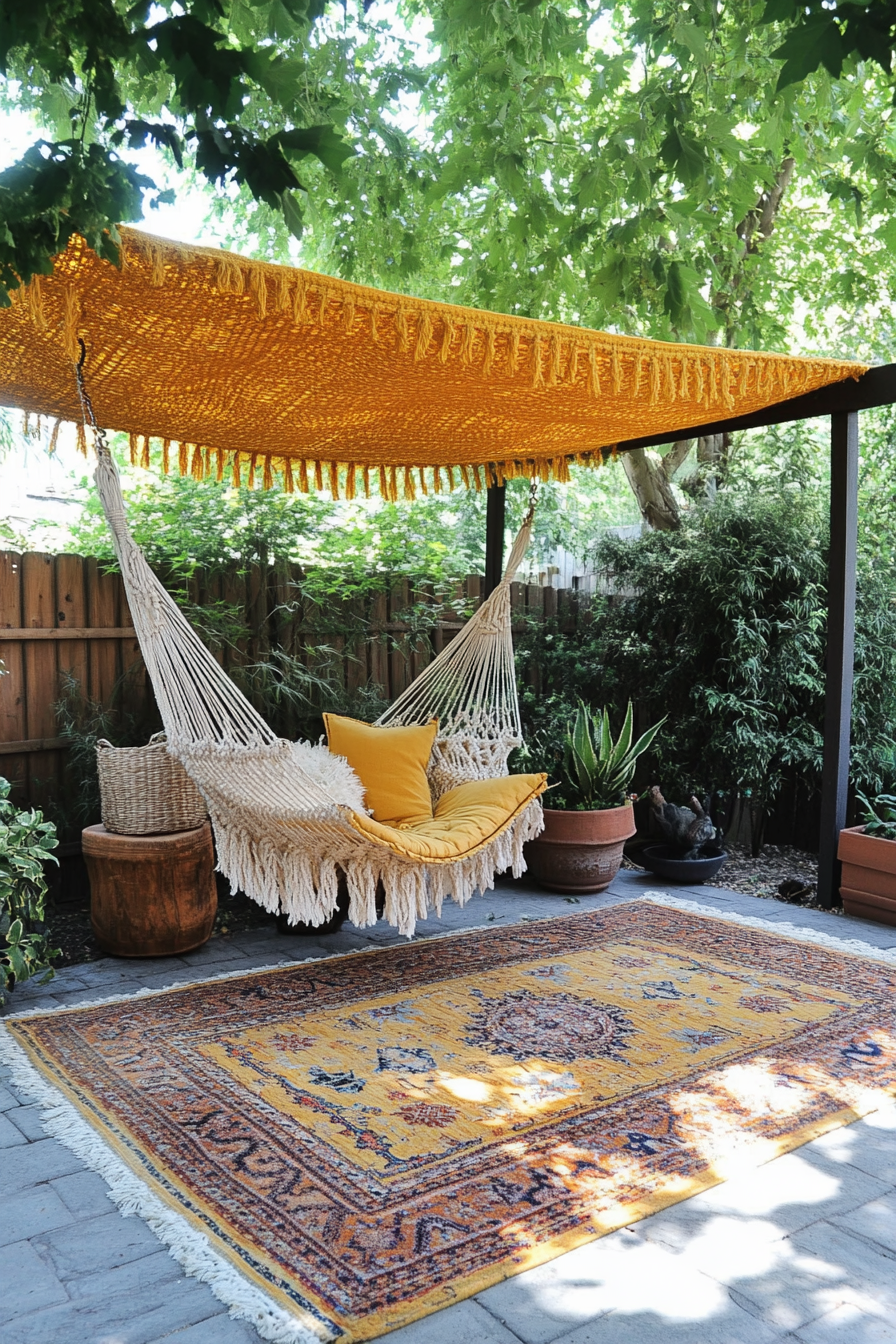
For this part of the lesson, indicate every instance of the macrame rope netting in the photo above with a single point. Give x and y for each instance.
(281, 811)
(471, 689)
(471, 686)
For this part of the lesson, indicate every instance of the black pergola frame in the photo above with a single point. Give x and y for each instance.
(842, 402)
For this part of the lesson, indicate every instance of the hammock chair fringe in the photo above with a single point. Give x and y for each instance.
(302, 879)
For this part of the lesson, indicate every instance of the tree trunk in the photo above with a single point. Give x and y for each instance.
(712, 455)
(650, 477)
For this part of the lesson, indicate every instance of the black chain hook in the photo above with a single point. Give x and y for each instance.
(88, 415)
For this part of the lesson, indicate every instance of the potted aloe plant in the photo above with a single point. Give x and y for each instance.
(591, 815)
(868, 857)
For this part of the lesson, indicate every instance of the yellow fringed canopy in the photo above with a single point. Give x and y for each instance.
(262, 371)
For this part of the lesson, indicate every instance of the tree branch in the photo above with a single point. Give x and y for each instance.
(675, 456)
(761, 219)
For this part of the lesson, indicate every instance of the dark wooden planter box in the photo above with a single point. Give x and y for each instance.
(868, 878)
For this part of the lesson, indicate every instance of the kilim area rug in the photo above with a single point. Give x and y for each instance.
(345, 1145)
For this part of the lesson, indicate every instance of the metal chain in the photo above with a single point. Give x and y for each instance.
(88, 415)
(533, 500)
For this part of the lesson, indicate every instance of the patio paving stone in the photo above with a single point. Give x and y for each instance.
(96, 1244)
(33, 992)
(27, 1119)
(788, 1193)
(7, 1099)
(465, 1323)
(846, 1325)
(867, 1273)
(29, 1283)
(156, 1267)
(32, 1211)
(186, 975)
(802, 1251)
(620, 1272)
(869, 1144)
(215, 952)
(728, 1325)
(36, 1163)
(10, 1135)
(71, 998)
(106, 975)
(220, 1329)
(874, 1222)
(152, 1312)
(84, 1192)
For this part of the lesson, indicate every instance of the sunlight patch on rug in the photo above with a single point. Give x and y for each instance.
(370, 1138)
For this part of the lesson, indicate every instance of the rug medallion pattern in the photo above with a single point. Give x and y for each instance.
(373, 1137)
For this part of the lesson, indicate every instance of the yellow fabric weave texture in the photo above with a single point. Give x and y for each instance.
(273, 374)
(390, 763)
(465, 819)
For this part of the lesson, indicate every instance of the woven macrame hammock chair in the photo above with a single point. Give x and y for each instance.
(285, 825)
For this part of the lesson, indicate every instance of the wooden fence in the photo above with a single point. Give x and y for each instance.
(63, 618)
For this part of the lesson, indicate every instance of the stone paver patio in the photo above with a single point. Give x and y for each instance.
(802, 1250)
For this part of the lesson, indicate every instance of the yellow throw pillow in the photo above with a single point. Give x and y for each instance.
(390, 763)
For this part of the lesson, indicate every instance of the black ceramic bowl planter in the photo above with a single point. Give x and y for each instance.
(658, 859)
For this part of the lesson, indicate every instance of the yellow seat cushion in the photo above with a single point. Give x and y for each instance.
(390, 763)
(465, 819)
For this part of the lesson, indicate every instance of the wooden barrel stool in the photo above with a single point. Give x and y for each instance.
(151, 895)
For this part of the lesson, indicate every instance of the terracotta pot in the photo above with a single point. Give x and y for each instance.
(868, 877)
(580, 852)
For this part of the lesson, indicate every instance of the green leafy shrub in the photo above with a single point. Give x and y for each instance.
(724, 631)
(26, 844)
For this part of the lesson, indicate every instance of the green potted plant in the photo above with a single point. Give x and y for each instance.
(868, 857)
(26, 842)
(591, 815)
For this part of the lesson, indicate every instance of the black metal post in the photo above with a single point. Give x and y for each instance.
(494, 537)
(841, 642)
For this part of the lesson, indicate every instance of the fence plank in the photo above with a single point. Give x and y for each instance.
(256, 612)
(399, 653)
(41, 680)
(421, 654)
(379, 653)
(71, 613)
(13, 717)
(34, 744)
(135, 687)
(233, 591)
(102, 613)
(212, 596)
(21, 633)
(357, 670)
(535, 611)
(567, 609)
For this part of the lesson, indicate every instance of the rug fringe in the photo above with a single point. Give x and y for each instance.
(854, 946)
(236, 974)
(131, 1195)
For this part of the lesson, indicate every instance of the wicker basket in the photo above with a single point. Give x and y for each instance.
(144, 791)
